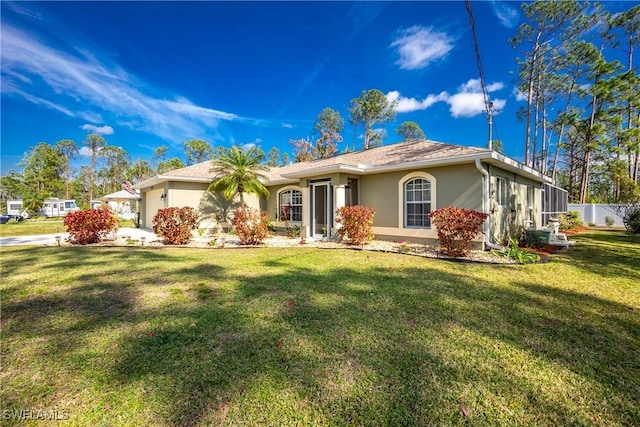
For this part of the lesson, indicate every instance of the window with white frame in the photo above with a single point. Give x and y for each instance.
(501, 192)
(290, 205)
(530, 201)
(417, 203)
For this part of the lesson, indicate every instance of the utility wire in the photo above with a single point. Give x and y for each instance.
(487, 103)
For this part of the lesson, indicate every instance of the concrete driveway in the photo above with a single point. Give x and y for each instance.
(50, 239)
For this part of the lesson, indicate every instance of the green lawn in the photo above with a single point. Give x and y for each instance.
(302, 336)
(42, 226)
(32, 227)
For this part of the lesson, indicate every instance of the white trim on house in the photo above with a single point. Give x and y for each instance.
(492, 157)
(401, 202)
(159, 179)
(279, 222)
(325, 170)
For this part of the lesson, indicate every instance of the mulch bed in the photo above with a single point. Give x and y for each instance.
(545, 251)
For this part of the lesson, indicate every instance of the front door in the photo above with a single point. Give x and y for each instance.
(321, 209)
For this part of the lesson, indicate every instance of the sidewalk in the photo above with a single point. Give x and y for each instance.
(50, 239)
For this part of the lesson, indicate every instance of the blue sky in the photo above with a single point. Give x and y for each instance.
(145, 74)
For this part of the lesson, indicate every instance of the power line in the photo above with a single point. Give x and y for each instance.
(487, 103)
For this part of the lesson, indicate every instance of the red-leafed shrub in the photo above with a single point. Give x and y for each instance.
(174, 225)
(90, 226)
(456, 228)
(251, 226)
(357, 222)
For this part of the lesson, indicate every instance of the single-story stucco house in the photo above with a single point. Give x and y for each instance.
(403, 182)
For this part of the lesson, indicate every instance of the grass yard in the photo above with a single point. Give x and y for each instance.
(32, 228)
(174, 336)
(42, 226)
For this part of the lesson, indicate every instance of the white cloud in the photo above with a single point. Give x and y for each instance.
(248, 146)
(86, 151)
(287, 125)
(419, 46)
(520, 95)
(507, 15)
(492, 87)
(19, 7)
(79, 85)
(11, 89)
(467, 102)
(100, 130)
(407, 105)
(474, 85)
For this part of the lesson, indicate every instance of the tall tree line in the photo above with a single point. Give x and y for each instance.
(577, 73)
(47, 170)
(580, 81)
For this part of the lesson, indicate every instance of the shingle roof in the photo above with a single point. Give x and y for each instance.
(199, 170)
(393, 154)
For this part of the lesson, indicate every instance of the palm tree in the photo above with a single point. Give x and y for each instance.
(239, 171)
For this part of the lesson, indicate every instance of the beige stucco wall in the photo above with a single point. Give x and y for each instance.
(183, 194)
(192, 194)
(459, 185)
(510, 219)
(149, 205)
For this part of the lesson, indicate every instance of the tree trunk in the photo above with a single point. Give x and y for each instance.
(584, 181)
(530, 86)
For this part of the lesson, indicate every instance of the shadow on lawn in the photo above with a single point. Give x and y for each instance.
(350, 347)
(606, 254)
(369, 361)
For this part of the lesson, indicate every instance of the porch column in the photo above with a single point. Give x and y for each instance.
(305, 227)
(339, 200)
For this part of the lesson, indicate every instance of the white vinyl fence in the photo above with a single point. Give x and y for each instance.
(596, 213)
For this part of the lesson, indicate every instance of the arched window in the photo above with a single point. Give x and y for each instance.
(290, 205)
(417, 203)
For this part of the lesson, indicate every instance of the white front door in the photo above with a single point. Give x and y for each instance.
(321, 209)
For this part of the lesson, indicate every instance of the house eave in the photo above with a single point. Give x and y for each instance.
(159, 179)
(511, 165)
(282, 182)
(323, 170)
(491, 157)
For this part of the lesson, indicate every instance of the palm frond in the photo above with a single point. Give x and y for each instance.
(237, 168)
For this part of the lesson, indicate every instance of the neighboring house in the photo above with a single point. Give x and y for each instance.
(122, 203)
(403, 182)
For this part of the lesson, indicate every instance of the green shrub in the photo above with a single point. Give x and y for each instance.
(632, 222)
(609, 221)
(570, 220)
(89, 226)
(456, 228)
(174, 225)
(357, 222)
(251, 226)
(293, 231)
(514, 252)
